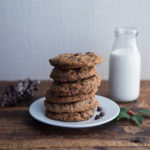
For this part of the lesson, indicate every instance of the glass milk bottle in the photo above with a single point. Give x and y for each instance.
(124, 66)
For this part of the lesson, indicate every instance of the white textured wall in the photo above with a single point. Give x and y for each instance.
(31, 31)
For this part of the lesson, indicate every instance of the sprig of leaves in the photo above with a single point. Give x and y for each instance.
(137, 116)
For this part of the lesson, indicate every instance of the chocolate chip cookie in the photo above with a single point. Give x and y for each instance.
(68, 99)
(80, 106)
(84, 86)
(79, 116)
(63, 75)
(79, 60)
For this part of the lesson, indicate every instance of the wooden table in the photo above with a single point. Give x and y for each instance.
(19, 131)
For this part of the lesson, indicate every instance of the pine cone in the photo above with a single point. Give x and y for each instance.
(22, 91)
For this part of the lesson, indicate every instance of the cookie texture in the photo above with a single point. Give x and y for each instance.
(71, 96)
(64, 75)
(68, 99)
(80, 106)
(79, 116)
(78, 60)
(84, 86)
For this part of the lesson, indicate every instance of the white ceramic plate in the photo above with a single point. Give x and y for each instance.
(110, 108)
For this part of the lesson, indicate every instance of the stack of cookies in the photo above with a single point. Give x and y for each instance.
(71, 96)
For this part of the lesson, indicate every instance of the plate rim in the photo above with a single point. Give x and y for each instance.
(72, 126)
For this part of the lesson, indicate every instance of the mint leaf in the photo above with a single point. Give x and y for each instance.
(137, 118)
(145, 111)
(123, 109)
(123, 114)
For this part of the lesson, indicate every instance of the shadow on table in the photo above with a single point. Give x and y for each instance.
(53, 131)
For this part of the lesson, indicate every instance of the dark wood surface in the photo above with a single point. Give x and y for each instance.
(19, 131)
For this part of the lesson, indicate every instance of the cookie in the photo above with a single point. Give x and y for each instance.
(79, 116)
(78, 60)
(76, 88)
(63, 75)
(68, 99)
(79, 106)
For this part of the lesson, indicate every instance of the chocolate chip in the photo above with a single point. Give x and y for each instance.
(70, 57)
(87, 52)
(89, 92)
(73, 88)
(77, 54)
(79, 59)
(64, 70)
(78, 69)
(102, 114)
(97, 117)
(99, 109)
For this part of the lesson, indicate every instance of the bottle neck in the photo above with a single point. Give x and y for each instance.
(126, 42)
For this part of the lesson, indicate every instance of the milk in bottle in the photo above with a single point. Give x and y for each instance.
(124, 66)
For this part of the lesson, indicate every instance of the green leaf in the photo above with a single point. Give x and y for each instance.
(123, 114)
(145, 111)
(123, 109)
(137, 118)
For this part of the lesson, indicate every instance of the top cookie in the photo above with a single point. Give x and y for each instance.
(78, 60)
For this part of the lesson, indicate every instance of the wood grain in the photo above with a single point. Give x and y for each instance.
(18, 130)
